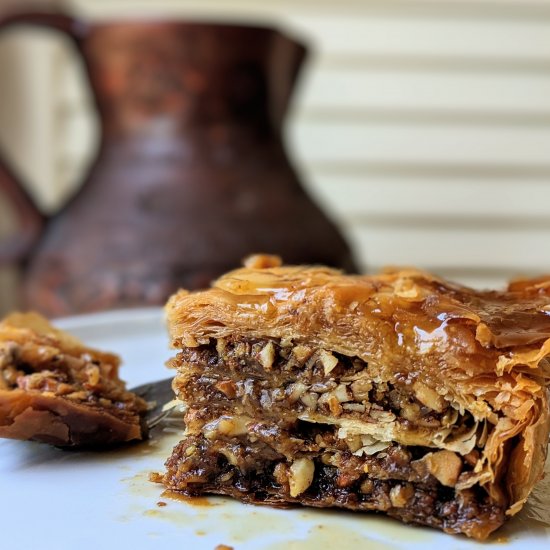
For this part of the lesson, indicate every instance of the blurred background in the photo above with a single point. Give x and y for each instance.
(421, 127)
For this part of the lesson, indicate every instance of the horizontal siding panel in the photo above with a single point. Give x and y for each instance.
(431, 170)
(378, 142)
(437, 64)
(500, 10)
(424, 90)
(518, 252)
(394, 34)
(421, 117)
(366, 196)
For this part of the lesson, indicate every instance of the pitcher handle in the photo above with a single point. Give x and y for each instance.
(16, 246)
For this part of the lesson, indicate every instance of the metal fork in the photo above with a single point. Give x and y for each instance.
(158, 394)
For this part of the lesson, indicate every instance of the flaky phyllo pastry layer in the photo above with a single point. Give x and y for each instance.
(400, 393)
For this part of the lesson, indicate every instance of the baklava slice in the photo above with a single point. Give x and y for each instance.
(54, 389)
(398, 393)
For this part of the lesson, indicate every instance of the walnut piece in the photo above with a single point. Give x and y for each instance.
(429, 397)
(400, 495)
(445, 466)
(267, 356)
(300, 476)
(328, 361)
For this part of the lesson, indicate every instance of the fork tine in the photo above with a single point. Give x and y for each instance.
(155, 420)
(157, 394)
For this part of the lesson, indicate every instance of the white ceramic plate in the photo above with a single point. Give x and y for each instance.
(56, 500)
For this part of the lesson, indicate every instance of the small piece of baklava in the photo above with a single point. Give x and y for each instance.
(55, 390)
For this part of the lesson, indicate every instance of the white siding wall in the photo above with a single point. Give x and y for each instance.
(423, 127)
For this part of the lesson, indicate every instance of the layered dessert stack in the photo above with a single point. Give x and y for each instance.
(398, 393)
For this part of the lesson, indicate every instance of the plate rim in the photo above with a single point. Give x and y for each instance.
(94, 319)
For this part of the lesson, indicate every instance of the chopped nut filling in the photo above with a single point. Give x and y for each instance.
(278, 421)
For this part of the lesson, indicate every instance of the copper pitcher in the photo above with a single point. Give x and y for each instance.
(191, 174)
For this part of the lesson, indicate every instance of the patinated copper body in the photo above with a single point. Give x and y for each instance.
(191, 175)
